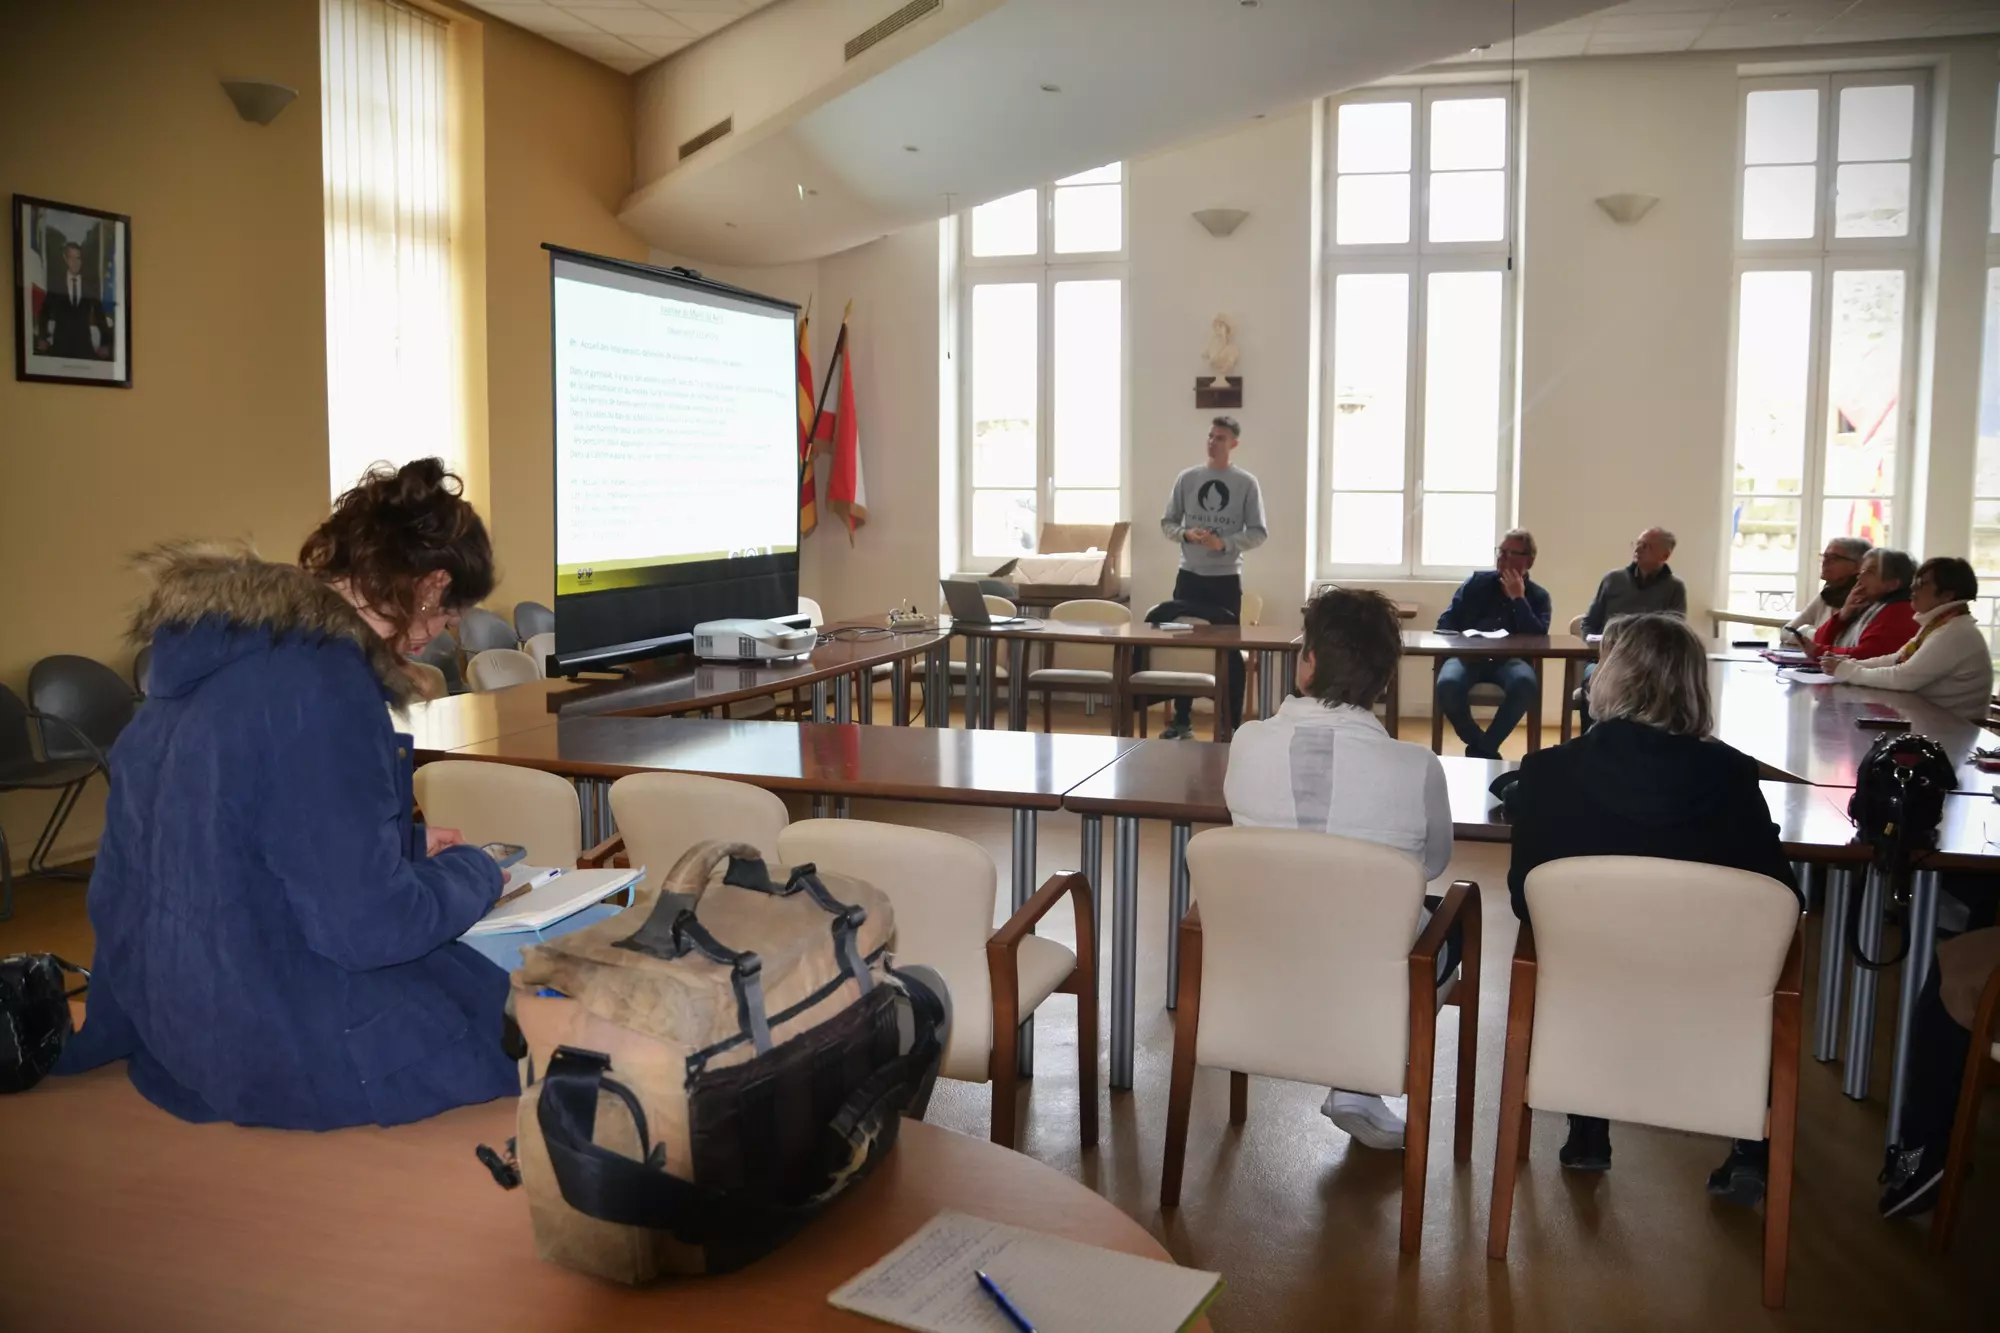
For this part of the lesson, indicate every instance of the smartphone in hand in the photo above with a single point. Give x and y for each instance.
(504, 854)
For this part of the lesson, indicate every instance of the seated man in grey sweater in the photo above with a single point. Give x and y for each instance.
(1647, 584)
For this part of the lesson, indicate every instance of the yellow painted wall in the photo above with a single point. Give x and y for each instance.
(558, 160)
(224, 430)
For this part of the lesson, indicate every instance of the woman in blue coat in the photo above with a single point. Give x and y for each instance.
(275, 935)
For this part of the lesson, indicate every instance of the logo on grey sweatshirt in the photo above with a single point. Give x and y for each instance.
(1213, 497)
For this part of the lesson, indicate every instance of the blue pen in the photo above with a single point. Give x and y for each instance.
(992, 1288)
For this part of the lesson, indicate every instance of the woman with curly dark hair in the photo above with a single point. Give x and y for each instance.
(275, 935)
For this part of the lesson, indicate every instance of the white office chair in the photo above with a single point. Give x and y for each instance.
(810, 609)
(1572, 701)
(1297, 961)
(504, 803)
(1661, 993)
(1078, 666)
(1253, 670)
(539, 649)
(498, 668)
(1173, 673)
(944, 888)
(661, 815)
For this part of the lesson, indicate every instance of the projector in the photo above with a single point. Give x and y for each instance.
(751, 641)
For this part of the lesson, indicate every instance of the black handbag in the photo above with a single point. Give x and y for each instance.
(1898, 803)
(34, 1016)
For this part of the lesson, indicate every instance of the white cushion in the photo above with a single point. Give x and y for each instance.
(1654, 989)
(1070, 676)
(1171, 680)
(1086, 611)
(1042, 965)
(1305, 956)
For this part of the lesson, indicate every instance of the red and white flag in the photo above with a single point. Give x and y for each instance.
(846, 494)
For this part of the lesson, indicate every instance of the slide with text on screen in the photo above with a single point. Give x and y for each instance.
(676, 429)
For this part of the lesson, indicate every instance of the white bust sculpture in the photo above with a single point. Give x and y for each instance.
(1221, 353)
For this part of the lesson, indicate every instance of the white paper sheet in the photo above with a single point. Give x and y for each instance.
(1797, 676)
(927, 1283)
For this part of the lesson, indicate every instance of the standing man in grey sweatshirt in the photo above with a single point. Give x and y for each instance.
(1215, 513)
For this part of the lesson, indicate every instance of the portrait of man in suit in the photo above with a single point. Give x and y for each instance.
(73, 294)
(71, 322)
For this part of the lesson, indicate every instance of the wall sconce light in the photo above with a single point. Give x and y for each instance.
(1220, 221)
(259, 102)
(1625, 209)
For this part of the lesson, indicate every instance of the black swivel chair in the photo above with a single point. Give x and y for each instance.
(80, 707)
(532, 618)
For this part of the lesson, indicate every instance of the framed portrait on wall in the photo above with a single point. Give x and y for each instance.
(72, 294)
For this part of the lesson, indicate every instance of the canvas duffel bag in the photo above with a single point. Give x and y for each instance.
(712, 1066)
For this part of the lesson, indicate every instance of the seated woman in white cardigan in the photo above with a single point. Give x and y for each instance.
(1323, 763)
(1949, 661)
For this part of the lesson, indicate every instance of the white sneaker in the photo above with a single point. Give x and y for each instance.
(1364, 1117)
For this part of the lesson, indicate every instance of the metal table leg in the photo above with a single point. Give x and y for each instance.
(1124, 945)
(819, 708)
(1024, 889)
(822, 807)
(899, 691)
(1017, 675)
(1861, 1013)
(843, 699)
(1922, 934)
(864, 704)
(988, 651)
(1093, 870)
(1177, 904)
(937, 685)
(1832, 964)
(1267, 681)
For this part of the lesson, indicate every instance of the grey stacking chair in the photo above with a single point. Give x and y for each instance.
(532, 618)
(479, 630)
(442, 653)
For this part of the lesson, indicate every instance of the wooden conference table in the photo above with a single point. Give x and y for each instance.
(1439, 646)
(119, 1216)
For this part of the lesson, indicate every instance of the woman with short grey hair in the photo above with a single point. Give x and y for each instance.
(1877, 618)
(1646, 780)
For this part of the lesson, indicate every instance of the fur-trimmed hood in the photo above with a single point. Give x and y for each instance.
(229, 585)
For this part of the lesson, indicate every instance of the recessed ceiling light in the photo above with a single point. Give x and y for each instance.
(1051, 88)
(909, 148)
(1483, 46)
(1247, 4)
(730, 225)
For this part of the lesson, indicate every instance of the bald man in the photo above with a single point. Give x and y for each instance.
(1647, 584)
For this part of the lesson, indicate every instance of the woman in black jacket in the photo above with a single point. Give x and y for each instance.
(1647, 780)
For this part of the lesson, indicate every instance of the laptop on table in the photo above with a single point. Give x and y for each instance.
(968, 604)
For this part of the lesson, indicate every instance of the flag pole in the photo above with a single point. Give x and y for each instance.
(826, 386)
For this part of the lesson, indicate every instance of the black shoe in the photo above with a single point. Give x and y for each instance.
(1914, 1176)
(1740, 1178)
(1589, 1145)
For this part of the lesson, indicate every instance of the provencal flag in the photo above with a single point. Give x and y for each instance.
(808, 488)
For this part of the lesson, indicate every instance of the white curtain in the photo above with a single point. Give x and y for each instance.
(392, 355)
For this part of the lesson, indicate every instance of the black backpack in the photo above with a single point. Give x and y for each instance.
(34, 1017)
(1897, 805)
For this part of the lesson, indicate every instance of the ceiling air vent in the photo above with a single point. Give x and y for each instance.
(707, 137)
(896, 22)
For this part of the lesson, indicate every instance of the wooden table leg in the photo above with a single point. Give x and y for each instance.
(1568, 693)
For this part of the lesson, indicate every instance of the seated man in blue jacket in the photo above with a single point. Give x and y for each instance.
(1503, 597)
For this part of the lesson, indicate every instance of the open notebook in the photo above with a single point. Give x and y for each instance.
(551, 895)
(927, 1283)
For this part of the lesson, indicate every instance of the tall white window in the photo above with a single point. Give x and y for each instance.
(392, 353)
(1418, 433)
(1829, 245)
(1986, 477)
(1042, 321)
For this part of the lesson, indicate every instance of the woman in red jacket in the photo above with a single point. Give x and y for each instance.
(1876, 619)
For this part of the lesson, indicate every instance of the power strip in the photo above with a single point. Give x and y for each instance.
(907, 618)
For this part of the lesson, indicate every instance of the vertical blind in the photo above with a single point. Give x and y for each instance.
(392, 351)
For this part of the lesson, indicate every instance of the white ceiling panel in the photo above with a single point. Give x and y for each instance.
(627, 35)
(1655, 26)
